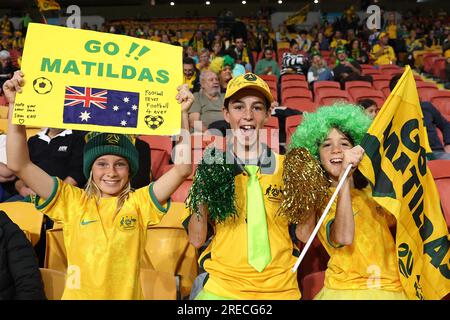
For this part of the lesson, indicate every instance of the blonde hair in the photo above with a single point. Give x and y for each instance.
(93, 191)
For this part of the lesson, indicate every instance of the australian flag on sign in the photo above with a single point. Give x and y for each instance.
(83, 105)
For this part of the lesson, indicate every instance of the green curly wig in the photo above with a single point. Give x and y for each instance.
(315, 126)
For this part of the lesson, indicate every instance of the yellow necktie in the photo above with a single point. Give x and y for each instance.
(257, 235)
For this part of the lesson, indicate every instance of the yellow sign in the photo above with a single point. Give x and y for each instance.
(395, 164)
(93, 81)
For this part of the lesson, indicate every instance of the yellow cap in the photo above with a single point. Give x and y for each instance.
(382, 34)
(248, 81)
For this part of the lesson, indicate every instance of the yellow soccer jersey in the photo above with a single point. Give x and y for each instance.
(370, 261)
(387, 57)
(103, 250)
(226, 260)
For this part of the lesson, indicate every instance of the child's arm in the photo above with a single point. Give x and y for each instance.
(17, 148)
(304, 230)
(170, 181)
(342, 230)
(198, 227)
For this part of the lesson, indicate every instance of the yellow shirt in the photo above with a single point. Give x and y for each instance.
(371, 260)
(387, 57)
(103, 250)
(338, 43)
(226, 259)
(392, 31)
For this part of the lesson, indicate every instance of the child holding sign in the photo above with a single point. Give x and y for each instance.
(355, 233)
(104, 225)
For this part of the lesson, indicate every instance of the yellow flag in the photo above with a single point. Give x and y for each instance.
(46, 5)
(94, 81)
(395, 163)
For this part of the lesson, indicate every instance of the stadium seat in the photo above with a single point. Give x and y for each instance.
(312, 284)
(329, 95)
(294, 84)
(301, 104)
(325, 85)
(181, 193)
(158, 285)
(425, 84)
(55, 250)
(382, 76)
(295, 92)
(291, 125)
(426, 93)
(440, 169)
(25, 215)
(3, 101)
(273, 90)
(269, 78)
(380, 84)
(168, 246)
(428, 60)
(160, 151)
(390, 68)
(438, 68)
(386, 91)
(357, 84)
(367, 66)
(54, 283)
(441, 100)
(292, 77)
(370, 72)
(367, 93)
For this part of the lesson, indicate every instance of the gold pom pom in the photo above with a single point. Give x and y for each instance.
(305, 186)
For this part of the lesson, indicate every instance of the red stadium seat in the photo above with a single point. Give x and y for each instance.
(312, 284)
(441, 100)
(291, 125)
(386, 91)
(301, 104)
(428, 60)
(385, 67)
(426, 93)
(438, 68)
(370, 72)
(292, 77)
(425, 84)
(295, 92)
(294, 84)
(382, 76)
(272, 122)
(181, 193)
(269, 78)
(440, 169)
(324, 85)
(160, 152)
(357, 84)
(329, 95)
(380, 84)
(367, 93)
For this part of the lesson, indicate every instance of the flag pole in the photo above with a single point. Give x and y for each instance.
(319, 223)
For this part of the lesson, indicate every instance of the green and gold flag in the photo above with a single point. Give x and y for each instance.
(395, 163)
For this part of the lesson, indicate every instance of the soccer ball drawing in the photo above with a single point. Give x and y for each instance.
(154, 122)
(42, 85)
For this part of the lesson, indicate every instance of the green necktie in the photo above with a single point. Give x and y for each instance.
(257, 234)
